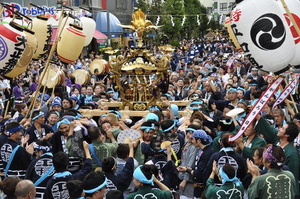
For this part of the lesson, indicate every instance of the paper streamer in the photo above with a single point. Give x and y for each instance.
(286, 92)
(263, 100)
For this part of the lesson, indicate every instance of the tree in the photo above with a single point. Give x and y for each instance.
(172, 9)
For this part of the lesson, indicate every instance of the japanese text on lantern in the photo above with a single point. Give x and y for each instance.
(15, 56)
(235, 15)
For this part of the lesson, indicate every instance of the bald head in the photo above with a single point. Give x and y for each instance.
(25, 189)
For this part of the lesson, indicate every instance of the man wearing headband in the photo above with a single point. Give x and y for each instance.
(276, 183)
(232, 99)
(224, 125)
(15, 158)
(144, 179)
(94, 185)
(241, 93)
(147, 129)
(169, 134)
(202, 142)
(226, 155)
(38, 130)
(284, 137)
(261, 83)
(56, 186)
(41, 169)
(231, 186)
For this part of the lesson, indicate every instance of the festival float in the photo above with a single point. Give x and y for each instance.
(140, 77)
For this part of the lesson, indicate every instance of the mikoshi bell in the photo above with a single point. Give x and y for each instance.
(43, 33)
(13, 43)
(70, 43)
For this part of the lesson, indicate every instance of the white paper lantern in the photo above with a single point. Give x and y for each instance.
(12, 46)
(43, 32)
(89, 27)
(29, 51)
(294, 7)
(70, 44)
(66, 21)
(262, 32)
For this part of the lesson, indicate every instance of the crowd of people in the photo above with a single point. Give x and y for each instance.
(54, 151)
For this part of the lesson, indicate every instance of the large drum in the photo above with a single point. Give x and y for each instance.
(53, 77)
(81, 76)
(100, 64)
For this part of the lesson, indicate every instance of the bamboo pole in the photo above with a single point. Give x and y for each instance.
(1, 10)
(58, 33)
(288, 12)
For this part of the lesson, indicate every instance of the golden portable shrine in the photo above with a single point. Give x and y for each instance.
(140, 77)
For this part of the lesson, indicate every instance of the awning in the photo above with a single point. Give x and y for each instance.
(53, 35)
(101, 24)
(99, 36)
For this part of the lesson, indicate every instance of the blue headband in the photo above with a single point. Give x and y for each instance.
(64, 121)
(42, 148)
(57, 113)
(242, 89)
(103, 115)
(190, 129)
(69, 117)
(109, 91)
(154, 108)
(117, 113)
(148, 128)
(170, 128)
(139, 175)
(152, 116)
(232, 89)
(225, 178)
(195, 103)
(13, 130)
(168, 95)
(39, 115)
(96, 188)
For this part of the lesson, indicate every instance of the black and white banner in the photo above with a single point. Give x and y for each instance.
(265, 97)
(286, 92)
